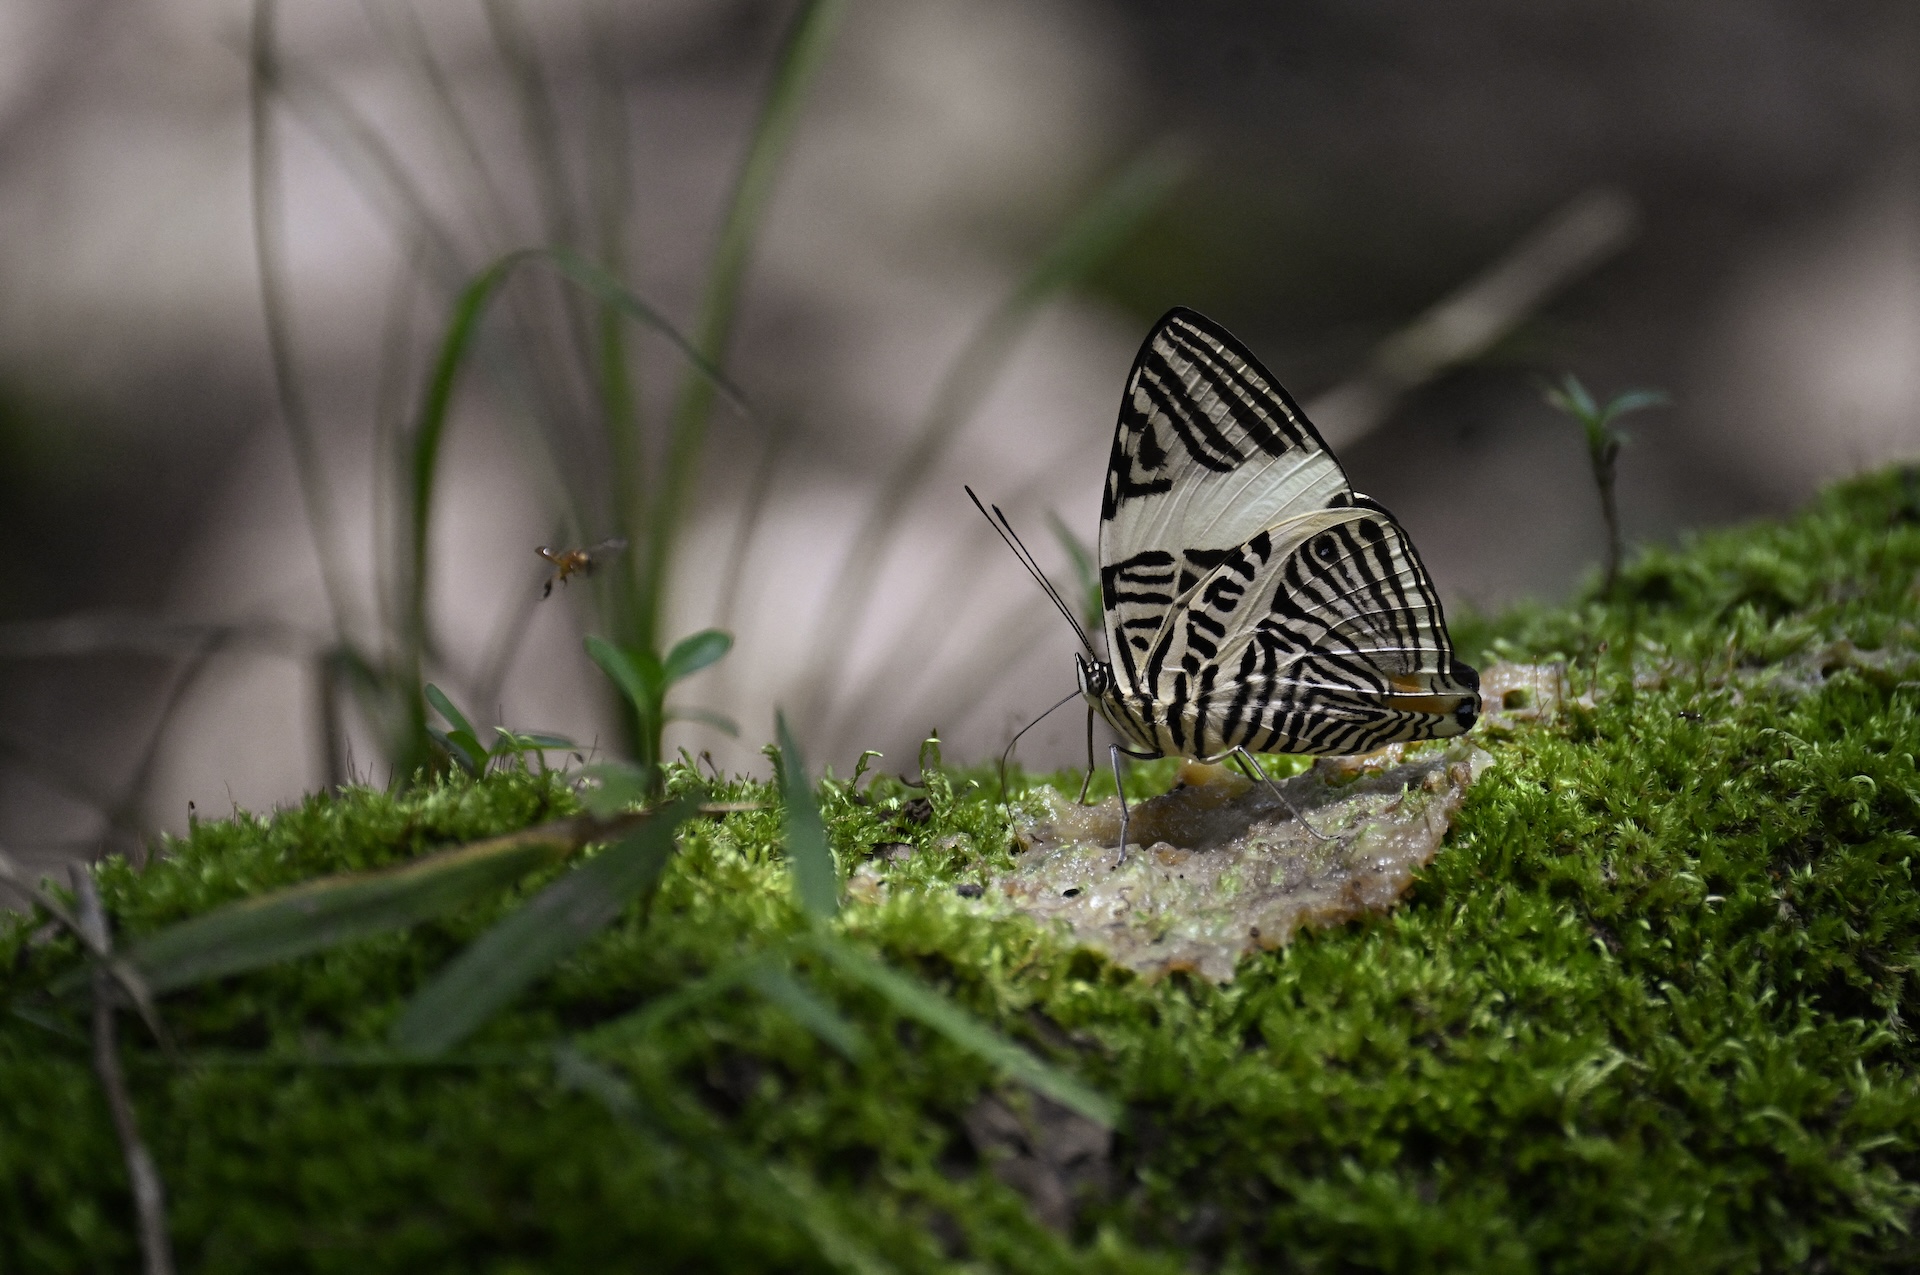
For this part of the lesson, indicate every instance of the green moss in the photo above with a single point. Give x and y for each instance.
(1649, 1009)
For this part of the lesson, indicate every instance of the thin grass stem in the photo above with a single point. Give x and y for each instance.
(1101, 226)
(401, 23)
(801, 54)
(316, 498)
(753, 508)
(539, 123)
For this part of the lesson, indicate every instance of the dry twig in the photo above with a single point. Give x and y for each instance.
(149, 1195)
(122, 973)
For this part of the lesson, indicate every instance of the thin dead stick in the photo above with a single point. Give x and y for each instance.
(149, 633)
(124, 813)
(122, 973)
(1588, 230)
(149, 1194)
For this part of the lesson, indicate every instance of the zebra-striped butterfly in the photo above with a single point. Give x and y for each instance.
(1253, 601)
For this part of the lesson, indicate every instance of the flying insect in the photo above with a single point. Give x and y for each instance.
(576, 562)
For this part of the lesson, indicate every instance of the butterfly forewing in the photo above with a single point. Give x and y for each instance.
(1208, 451)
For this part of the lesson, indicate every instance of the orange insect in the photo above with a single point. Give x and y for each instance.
(573, 562)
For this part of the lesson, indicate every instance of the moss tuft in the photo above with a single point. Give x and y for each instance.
(1649, 1009)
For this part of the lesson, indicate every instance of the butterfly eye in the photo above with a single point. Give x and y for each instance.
(1325, 548)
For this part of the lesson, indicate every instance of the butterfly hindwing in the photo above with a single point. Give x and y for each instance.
(1208, 451)
(1321, 634)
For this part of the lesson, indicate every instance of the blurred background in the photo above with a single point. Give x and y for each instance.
(924, 239)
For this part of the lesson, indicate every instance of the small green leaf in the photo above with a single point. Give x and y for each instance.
(918, 1001)
(1634, 401)
(458, 751)
(444, 706)
(536, 936)
(472, 747)
(534, 742)
(816, 881)
(807, 1008)
(719, 721)
(691, 654)
(618, 665)
(1574, 399)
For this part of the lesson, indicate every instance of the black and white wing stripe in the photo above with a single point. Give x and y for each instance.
(1321, 634)
(1209, 450)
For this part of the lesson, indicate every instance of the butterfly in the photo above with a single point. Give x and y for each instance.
(1251, 600)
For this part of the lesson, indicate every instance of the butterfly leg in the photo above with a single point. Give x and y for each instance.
(1088, 781)
(1259, 770)
(1113, 753)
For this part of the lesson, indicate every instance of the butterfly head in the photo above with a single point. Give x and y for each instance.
(1096, 677)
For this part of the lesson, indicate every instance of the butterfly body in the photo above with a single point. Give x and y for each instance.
(1252, 600)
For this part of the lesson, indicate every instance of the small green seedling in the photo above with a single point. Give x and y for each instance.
(1603, 449)
(461, 739)
(644, 679)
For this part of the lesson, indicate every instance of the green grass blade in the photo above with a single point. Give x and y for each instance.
(806, 1007)
(1102, 225)
(610, 291)
(538, 935)
(531, 741)
(463, 326)
(472, 762)
(325, 913)
(801, 53)
(661, 1010)
(540, 129)
(574, 1070)
(691, 654)
(816, 881)
(444, 706)
(786, 1194)
(918, 1001)
(1634, 401)
(620, 667)
(429, 431)
(706, 717)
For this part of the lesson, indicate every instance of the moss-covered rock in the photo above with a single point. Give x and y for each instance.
(1649, 1009)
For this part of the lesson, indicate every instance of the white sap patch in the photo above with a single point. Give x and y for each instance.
(1220, 868)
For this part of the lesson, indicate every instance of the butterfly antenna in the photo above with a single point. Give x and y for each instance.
(998, 521)
(1016, 739)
